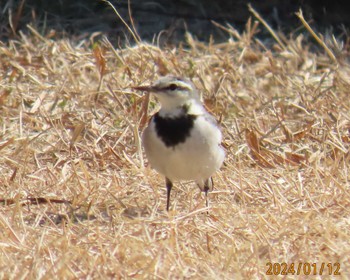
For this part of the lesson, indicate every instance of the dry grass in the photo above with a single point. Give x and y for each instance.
(77, 201)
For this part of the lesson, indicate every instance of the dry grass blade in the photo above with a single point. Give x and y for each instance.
(100, 60)
(273, 33)
(15, 21)
(317, 38)
(132, 32)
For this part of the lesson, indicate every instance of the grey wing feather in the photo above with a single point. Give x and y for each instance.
(211, 119)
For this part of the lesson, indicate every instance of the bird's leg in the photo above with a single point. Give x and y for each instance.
(208, 185)
(169, 185)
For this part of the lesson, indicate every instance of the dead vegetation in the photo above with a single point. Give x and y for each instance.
(77, 201)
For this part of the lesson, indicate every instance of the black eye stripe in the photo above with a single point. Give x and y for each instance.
(172, 87)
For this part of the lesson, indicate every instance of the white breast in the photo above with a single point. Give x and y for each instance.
(195, 159)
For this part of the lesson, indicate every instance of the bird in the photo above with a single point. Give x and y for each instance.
(182, 141)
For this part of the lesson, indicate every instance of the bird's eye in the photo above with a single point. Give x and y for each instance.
(172, 87)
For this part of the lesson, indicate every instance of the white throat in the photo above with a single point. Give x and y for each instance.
(191, 107)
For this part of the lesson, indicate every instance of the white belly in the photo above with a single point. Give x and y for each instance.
(195, 159)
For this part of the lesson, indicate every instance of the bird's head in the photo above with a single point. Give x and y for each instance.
(173, 92)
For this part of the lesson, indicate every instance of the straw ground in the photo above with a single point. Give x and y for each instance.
(78, 199)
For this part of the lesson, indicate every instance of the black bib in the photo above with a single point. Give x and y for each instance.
(174, 131)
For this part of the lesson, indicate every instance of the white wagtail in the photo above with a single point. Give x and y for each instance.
(182, 140)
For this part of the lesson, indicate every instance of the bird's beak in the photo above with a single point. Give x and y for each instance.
(145, 88)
